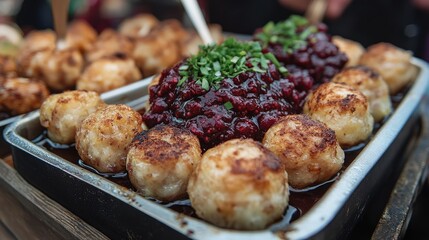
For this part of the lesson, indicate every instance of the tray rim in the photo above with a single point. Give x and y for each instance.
(333, 199)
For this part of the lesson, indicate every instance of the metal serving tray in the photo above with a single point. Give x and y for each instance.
(122, 214)
(123, 94)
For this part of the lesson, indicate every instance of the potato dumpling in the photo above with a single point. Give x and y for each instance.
(62, 68)
(109, 73)
(21, 95)
(34, 52)
(343, 109)
(110, 43)
(138, 26)
(308, 149)
(352, 49)
(161, 160)
(62, 113)
(7, 66)
(392, 63)
(103, 138)
(239, 184)
(153, 54)
(372, 85)
(81, 36)
(39, 40)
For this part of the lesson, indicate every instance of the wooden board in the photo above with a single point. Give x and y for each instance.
(26, 213)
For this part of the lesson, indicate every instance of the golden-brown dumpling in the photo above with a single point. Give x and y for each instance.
(153, 54)
(103, 138)
(109, 73)
(372, 85)
(62, 113)
(239, 184)
(161, 160)
(138, 26)
(21, 95)
(392, 63)
(343, 109)
(308, 149)
(81, 36)
(110, 43)
(62, 68)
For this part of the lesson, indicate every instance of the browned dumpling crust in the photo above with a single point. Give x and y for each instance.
(239, 184)
(110, 43)
(39, 40)
(21, 95)
(343, 109)
(33, 52)
(81, 36)
(138, 26)
(352, 49)
(161, 160)
(392, 63)
(61, 68)
(153, 54)
(8, 66)
(372, 85)
(108, 73)
(103, 138)
(62, 113)
(308, 149)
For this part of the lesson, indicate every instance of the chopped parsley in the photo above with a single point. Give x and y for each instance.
(291, 33)
(228, 105)
(214, 63)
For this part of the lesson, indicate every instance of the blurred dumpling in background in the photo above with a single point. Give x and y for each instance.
(31, 56)
(138, 26)
(392, 63)
(21, 95)
(80, 35)
(106, 74)
(153, 54)
(61, 68)
(110, 43)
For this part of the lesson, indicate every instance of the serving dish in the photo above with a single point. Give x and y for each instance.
(125, 94)
(122, 214)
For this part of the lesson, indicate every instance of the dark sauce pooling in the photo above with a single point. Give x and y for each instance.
(300, 201)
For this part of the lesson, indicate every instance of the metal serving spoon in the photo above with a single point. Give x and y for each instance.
(194, 12)
(59, 12)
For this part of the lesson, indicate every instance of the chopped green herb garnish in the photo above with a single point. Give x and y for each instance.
(291, 33)
(216, 62)
(228, 105)
(205, 84)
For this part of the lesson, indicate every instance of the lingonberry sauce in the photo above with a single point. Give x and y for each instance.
(241, 107)
(319, 58)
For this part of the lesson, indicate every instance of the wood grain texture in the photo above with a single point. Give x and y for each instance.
(5, 233)
(30, 214)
